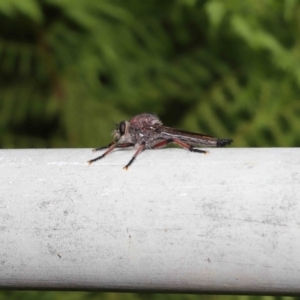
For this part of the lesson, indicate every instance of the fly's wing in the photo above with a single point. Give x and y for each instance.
(191, 138)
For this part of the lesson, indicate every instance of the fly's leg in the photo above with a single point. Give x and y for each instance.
(162, 143)
(102, 148)
(138, 151)
(110, 147)
(180, 143)
(189, 147)
(124, 145)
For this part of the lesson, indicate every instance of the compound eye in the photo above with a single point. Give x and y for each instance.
(122, 127)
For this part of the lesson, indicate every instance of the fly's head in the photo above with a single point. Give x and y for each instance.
(121, 134)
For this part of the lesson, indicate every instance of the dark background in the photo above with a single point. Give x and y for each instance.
(70, 68)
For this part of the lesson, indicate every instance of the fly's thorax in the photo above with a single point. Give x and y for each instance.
(144, 136)
(145, 120)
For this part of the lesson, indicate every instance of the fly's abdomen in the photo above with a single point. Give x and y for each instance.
(223, 142)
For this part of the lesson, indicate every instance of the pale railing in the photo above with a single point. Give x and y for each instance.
(176, 221)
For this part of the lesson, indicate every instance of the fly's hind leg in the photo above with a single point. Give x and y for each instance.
(192, 149)
(189, 147)
(180, 143)
(162, 143)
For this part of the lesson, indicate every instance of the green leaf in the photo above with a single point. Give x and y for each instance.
(29, 8)
(216, 11)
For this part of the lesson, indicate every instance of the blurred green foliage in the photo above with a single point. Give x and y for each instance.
(70, 68)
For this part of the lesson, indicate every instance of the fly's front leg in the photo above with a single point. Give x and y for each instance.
(189, 147)
(124, 145)
(110, 147)
(139, 150)
(102, 148)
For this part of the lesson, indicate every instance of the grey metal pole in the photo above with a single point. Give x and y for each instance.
(226, 222)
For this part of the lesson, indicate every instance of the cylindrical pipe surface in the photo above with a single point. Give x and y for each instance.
(226, 222)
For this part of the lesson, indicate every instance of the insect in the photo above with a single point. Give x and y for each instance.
(146, 131)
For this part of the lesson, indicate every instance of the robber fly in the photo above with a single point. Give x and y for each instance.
(146, 131)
